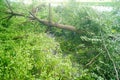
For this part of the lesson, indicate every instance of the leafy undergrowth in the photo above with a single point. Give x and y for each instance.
(31, 56)
(28, 53)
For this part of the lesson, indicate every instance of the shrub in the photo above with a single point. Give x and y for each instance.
(29, 56)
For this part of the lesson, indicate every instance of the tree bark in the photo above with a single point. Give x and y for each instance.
(46, 22)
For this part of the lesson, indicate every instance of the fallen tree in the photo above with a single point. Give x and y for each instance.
(45, 22)
(48, 23)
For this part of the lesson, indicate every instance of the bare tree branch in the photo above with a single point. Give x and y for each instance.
(92, 60)
(114, 65)
(9, 17)
(9, 6)
(53, 24)
(46, 22)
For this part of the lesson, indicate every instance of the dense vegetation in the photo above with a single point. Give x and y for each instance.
(31, 50)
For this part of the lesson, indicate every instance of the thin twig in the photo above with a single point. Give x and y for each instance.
(9, 17)
(9, 6)
(114, 65)
(92, 60)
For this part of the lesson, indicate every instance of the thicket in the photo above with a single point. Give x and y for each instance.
(29, 51)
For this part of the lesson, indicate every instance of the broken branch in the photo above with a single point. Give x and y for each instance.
(45, 22)
(8, 5)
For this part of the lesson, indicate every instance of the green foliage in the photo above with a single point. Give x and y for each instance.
(98, 3)
(15, 62)
(28, 53)
(49, 63)
(85, 47)
(32, 55)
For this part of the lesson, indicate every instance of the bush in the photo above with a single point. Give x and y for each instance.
(29, 56)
